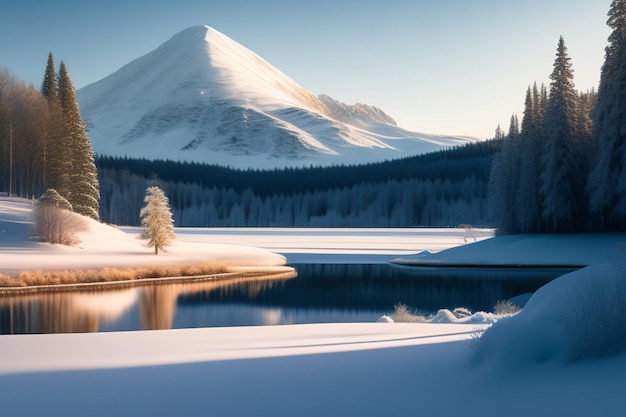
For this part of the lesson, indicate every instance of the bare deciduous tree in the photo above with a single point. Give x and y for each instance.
(54, 222)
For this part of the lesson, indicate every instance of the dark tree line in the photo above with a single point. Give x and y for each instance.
(44, 143)
(453, 164)
(565, 170)
(440, 189)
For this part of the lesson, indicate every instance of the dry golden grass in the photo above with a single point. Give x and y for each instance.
(57, 277)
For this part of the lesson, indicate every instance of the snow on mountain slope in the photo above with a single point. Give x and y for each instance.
(203, 97)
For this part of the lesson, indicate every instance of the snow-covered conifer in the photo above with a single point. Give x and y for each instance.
(84, 192)
(562, 181)
(156, 218)
(503, 181)
(607, 182)
(527, 197)
(513, 127)
(56, 161)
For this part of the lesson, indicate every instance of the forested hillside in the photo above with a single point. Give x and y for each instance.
(443, 188)
(44, 143)
(565, 169)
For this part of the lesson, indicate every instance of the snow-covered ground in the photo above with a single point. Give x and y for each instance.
(562, 355)
(365, 246)
(105, 246)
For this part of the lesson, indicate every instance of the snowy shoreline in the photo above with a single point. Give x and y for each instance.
(252, 273)
(527, 251)
(538, 362)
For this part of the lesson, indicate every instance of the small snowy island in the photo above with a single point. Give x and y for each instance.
(563, 353)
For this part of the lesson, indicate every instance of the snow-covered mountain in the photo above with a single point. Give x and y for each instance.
(203, 97)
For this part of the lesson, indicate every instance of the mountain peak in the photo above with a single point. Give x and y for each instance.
(239, 74)
(201, 96)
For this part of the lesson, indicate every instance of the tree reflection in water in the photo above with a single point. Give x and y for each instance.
(321, 293)
(84, 312)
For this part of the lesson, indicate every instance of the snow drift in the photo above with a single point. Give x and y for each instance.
(577, 316)
(203, 97)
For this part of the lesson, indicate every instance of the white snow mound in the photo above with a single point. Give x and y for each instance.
(576, 316)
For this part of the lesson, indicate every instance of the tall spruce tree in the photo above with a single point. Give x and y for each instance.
(607, 181)
(562, 181)
(49, 84)
(513, 126)
(56, 159)
(84, 193)
(527, 196)
(503, 182)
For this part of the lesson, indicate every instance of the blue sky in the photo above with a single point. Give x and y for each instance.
(436, 66)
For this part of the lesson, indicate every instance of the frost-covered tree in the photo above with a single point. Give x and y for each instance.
(607, 181)
(156, 218)
(84, 191)
(562, 174)
(53, 219)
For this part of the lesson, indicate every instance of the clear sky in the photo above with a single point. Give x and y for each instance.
(436, 66)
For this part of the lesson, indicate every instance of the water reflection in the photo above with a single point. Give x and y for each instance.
(381, 286)
(84, 312)
(321, 293)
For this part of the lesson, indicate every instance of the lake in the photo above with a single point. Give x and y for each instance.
(320, 293)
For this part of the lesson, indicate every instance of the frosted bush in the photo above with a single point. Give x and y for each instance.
(54, 222)
(403, 315)
(506, 307)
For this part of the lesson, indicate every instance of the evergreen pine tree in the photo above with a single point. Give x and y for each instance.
(527, 196)
(503, 182)
(49, 84)
(499, 133)
(156, 218)
(56, 159)
(562, 183)
(513, 127)
(607, 182)
(84, 193)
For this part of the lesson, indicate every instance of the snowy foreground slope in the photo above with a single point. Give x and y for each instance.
(203, 97)
(562, 355)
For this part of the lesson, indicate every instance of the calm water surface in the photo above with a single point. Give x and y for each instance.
(320, 293)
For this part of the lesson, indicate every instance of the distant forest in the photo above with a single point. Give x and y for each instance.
(444, 188)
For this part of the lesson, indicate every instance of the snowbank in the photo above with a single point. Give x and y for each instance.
(529, 250)
(577, 316)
